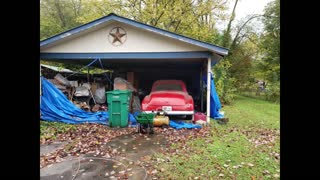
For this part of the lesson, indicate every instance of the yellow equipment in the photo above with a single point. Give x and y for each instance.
(160, 120)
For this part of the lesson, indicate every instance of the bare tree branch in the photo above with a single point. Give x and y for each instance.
(241, 27)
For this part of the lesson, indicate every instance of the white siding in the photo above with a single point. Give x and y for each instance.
(138, 40)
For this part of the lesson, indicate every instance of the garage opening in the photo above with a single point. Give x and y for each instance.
(142, 73)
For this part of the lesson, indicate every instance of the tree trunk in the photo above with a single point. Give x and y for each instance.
(226, 40)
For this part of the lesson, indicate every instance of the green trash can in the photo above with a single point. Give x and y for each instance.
(118, 106)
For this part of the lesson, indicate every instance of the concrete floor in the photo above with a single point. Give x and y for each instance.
(88, 167)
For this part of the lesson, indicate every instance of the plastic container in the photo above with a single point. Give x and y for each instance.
(118, 105)
(145, 118)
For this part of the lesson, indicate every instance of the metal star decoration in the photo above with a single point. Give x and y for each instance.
(117, 35)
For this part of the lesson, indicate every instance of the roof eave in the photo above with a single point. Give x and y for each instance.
(214, 48)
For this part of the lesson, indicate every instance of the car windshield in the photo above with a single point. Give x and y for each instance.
(168, 87)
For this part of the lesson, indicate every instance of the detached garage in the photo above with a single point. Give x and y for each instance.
(139, 53)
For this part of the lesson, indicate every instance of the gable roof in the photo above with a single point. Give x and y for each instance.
(211, 47)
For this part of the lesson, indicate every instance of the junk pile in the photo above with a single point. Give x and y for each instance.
(122, 84)
(77, 102)
(55, 106)
(62, 84)
(87, 96)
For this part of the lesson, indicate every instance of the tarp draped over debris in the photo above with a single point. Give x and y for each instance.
(180, 125)
(56, 107)
(215, 104)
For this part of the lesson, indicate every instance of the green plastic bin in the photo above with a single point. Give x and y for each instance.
(118, 106)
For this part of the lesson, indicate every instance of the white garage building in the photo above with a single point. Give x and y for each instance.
(144, 52)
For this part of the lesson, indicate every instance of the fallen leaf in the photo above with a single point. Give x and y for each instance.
(264, 172)
(147, 158)
(154, 171)
(106, 155)
(112, 172)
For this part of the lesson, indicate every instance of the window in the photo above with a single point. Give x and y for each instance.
(168, 87)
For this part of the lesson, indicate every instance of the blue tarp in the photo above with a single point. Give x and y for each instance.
(180, 125)
(132, 119)
(56, 107)
(215, 104)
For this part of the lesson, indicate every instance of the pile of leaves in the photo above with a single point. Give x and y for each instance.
(220, 152)
(176, 144)
(180, 137)
(86, 138)
(261, 137)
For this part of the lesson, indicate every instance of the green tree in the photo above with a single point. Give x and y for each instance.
(269, 65)
(58, 15)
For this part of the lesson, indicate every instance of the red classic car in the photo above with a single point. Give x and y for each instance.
(170, 96)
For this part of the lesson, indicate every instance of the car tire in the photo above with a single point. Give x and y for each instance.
(189, 117)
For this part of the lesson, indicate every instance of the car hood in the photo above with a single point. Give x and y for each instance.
(168, 98)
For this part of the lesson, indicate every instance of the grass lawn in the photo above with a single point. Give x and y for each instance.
(247, 147)
(50, 130)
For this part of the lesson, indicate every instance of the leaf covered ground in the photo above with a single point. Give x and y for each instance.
(247, 147)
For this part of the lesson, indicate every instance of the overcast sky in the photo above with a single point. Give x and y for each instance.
(244, 8)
